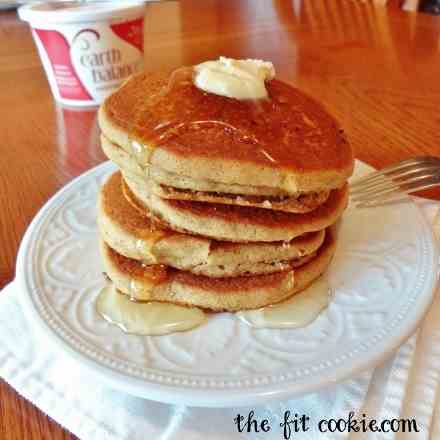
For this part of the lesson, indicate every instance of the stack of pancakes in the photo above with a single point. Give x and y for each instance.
(219, 203)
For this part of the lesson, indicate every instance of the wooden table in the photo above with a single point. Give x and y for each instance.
(377, 69)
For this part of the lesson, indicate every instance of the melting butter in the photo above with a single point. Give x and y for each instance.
(298, 311)
(152, 318)
(239, 79)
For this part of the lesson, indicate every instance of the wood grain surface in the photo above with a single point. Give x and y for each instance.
(376, 69)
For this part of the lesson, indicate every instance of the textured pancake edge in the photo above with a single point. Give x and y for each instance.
(306, 202)
(219, 228)
(171, 186)
(269, 289)
(196, 254)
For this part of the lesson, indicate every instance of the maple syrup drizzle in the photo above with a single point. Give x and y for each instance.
(151, 275)
(156, 231)
(149, 239)
(180, 79)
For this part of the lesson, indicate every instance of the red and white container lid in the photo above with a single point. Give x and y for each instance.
(87, 48)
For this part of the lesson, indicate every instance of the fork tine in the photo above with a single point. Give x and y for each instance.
(372, 188)
(393, 169)
(388, 169)
(407, 187)
(395, 182)
(394, 175)
(397, 196)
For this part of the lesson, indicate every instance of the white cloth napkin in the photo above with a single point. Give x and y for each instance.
(406, 386)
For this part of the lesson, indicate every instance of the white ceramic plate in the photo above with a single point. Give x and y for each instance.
(383, 276)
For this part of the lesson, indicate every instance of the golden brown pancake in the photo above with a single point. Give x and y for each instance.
(161, 283)
(222, 203)
(171, 186)
(288, 142)
(132, 234)
(235, 223)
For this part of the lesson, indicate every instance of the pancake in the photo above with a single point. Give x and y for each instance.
(161, 283)
(288, 143)
(210, 191)
(304, 202)
(235, 223)
(127, 161)
(132, 234)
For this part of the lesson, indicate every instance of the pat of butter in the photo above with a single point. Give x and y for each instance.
(239, 79)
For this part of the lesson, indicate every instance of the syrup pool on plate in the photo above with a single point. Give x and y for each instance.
(298, 311)
(155, 318)
(150, 318)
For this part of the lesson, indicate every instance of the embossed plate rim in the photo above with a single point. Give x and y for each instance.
(215, 390)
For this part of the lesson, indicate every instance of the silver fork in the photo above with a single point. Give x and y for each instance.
(392, 183)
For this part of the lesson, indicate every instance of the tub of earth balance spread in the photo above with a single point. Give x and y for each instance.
(87, 48)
